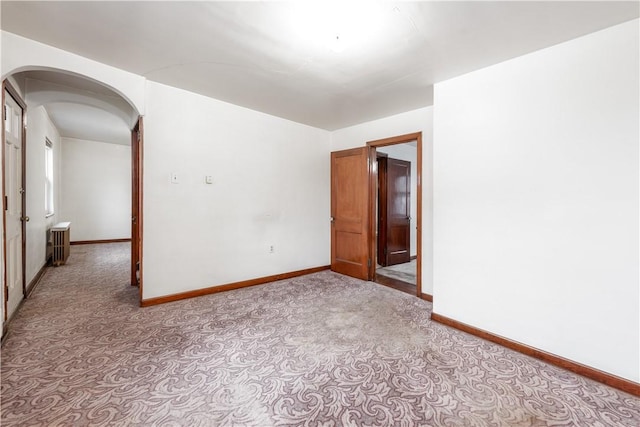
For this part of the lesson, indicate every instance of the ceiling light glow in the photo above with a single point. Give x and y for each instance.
(338, 26)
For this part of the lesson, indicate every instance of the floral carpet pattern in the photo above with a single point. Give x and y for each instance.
(318, 350)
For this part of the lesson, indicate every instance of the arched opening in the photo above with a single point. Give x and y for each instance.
(79, 161)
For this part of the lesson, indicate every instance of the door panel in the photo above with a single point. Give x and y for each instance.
(398, 215)
(136, 205)
(349, 210)
(382, 211)
(13, 191)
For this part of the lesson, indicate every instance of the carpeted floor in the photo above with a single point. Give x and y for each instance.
(322, 349)
(404, 272)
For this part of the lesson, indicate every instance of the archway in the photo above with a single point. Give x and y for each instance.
(79, 108)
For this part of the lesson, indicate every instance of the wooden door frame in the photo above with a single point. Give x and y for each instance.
(381, 232)
(137, 138)
(8, 87)
(373, 181)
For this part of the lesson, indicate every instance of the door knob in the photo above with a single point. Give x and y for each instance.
(332, 218)
(24, 218)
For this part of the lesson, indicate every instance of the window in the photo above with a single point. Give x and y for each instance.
(48, 176)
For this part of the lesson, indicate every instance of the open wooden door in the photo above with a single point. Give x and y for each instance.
(394, 212)
(136, 205)
(350, 212)
(14, 201)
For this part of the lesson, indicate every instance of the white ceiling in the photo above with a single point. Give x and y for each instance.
(271, 56)
(79, 107)
(88, 123)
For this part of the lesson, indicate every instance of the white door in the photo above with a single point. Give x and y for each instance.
(13, 192)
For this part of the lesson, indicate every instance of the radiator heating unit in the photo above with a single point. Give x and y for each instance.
(61, 243)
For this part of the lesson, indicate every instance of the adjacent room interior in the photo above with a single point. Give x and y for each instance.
(288, 213)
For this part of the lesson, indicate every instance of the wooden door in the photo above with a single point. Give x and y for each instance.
(349, 212)
(136, 205)
(398, 212)
(13, 203)
(381, 210)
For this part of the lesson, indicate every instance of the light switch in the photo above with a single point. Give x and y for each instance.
(174, 178)
(208, 179)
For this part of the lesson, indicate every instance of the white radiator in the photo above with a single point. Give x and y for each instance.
(60, 239)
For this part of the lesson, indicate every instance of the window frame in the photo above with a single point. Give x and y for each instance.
(49, 183)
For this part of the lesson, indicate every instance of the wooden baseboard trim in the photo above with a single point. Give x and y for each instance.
(230, 286)
(94, 242)
(412, 257)
(427, 297)
(36, 280)
(611, 380)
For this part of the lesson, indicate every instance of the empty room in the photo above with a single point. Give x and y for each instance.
(320, 213)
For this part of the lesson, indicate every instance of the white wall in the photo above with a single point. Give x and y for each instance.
(536, 200)
(408, 153)
(270, 187)
(39, 127)
(400, 124)
(96, 189)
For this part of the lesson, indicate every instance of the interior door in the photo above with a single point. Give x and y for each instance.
(381, 210)
(13, 203)
(349, 212)
(136, 203)
(398, 212)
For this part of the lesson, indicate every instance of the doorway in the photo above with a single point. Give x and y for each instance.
(396, 258)
(13, 178)
(58, 95)
(354, 195)
(396, 212)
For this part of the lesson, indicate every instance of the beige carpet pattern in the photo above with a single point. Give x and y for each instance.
(319, 350)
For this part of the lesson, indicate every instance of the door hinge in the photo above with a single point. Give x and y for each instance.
(5, 113)
(6, 203)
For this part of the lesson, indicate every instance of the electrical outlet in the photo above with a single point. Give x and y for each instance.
(272, 249)
(174, 178)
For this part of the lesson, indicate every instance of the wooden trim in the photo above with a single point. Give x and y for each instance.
(427, 297)
(4, 211)
(371, 215)
(95, 242)
(413, 257)
(36, 280)
(401, 139)
(23, 185)
(230, 286)
(140, 197)
(611, 380)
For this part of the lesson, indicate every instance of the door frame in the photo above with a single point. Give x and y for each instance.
(137, 138)
(380, 214)
(8, 87)
(373, 182)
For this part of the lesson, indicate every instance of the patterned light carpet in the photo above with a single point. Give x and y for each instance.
(317, 350)
(404, 272)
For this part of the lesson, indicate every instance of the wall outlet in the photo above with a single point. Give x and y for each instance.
(272, 249)
(208, 179)
(174, 178)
